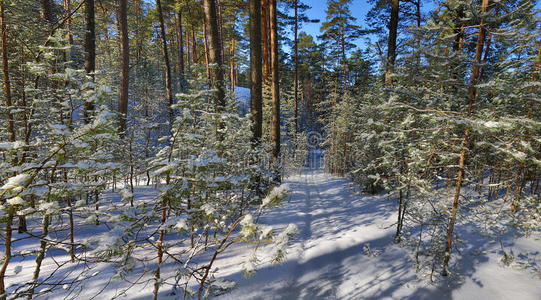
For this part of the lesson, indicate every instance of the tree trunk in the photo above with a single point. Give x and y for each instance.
(462, 158)
(232, 64)
(7, 240)
(295, 58)
(391, 45)
(206, 44)
(160, 244)
(343, 50)
(188, 49)
(275, 124)
(265, 37)
(5, 67)
(168, 92)
(220, 27)
(215, 54)
(67, 15)
(256, 102)
(125, 65)
(46, 12)
(90, 50)
(40, 256)
(195, 59)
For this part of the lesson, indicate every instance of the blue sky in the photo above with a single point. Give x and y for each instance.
(358, 8)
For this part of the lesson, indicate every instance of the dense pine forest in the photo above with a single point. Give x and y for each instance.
(196, 149)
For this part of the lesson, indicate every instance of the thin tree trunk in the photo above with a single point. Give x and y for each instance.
(343, 48)
(391, 45)
(90, 50)
(5, 66)
(125, 65)
(462, 158)
(232, 65)
(67, 16)
(206, 44)
(275, 124)
(295, 57)
(7, 242)
(188, 49)
(256, 102)
(160, 245)
(168, 92)
(41, 255)
(195, 59)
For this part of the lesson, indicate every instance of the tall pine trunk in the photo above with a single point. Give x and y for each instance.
(5, 69)
(90, 50)
(125, 65)
(215, 54)
(391, 45)
(256, 102)
(206, 44)
(275, 123)
(265, 37)
(296, 71)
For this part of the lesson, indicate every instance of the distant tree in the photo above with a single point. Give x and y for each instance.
(339, 31)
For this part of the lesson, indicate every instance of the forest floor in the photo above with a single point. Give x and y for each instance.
(344, 250)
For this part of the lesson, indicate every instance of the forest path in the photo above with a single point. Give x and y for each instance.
(329, 258)
(345, 250)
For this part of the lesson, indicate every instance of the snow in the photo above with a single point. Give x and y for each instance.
(15, 201)
(345, 250)
(15, 181)
(342, 249)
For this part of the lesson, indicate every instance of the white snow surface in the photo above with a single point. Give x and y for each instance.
(329, 258)
(344, 250)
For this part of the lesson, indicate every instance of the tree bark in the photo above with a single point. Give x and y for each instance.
(7, 241)
(67, 15)
(206, 44)
(391, 45)
(256, 96)
(5, 68)
(125, 65)
(265, 37)
(46, 12)
(275, 124)
(168, 92)
(295, 58)
(90, 50)
(462, 159)
(215, 54)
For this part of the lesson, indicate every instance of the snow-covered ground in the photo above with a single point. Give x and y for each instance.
(344, 250)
